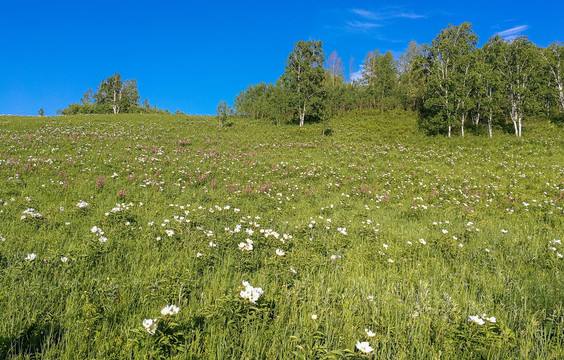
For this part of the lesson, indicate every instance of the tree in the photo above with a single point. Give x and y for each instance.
(518, 66)
(223, 112)
(386, 78)
(335, 69)
(87, 97)
(553, 56)
(488, 83)
(411, 80)
(117, 94)
(448, 65)
(304, 78)
(41, 112)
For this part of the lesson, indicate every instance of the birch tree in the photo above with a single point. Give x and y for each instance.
(447, 64)
(116, 93)
(304, 78)
(335, 68)
(553, 56)
(518, 66)
(489, 81)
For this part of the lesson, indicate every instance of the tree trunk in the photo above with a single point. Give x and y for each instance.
(490, 123)
(520, 127)
(449, 130)
(462, 125)
(302, 115)
(515, 124)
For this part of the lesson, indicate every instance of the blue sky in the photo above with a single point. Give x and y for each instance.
(189, 55)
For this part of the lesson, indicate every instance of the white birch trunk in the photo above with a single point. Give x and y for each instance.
(490, 123)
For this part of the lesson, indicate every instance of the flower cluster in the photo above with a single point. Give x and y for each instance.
(246, 246)
(552, 247)
(251, 293)
(150, 325)
(99, 232)
(31, 213)
(170, 310)
(476, 319)
(82, 204)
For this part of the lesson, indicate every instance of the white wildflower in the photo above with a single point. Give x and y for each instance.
(246, 246)
(251, 293)
(82, 204)
(364, 347)
(150, 325)
(30, 257)
(476, 319)
(170, 310)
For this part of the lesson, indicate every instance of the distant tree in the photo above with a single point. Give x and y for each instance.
(41, 112)
(368, 77)
(223, 112)
(117, 94)
(386, 79)
(304, 79)
(279, 104)
(411, 76)
(59, 112)
(335, 69)
(146, 104)
(87, 97)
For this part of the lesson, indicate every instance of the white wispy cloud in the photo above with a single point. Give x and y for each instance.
(513, 33)
(365, 13)
(359, 25)
(372, 15)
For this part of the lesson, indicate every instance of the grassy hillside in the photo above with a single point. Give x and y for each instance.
(371, 227)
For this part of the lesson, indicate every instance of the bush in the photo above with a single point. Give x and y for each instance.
(558, 119)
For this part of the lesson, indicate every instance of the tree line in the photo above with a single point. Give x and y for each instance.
(452, 83)
(113, 96)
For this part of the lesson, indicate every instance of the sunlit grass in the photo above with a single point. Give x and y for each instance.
(382, 228)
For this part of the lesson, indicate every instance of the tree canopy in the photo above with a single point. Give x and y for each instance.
(113, 95)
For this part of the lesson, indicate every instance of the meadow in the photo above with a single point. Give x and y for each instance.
(157, 237)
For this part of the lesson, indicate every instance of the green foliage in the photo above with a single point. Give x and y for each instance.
(223, 112)
(304, 77)
(558, 119)
(113, 96)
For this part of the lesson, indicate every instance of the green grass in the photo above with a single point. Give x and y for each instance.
(375, 175)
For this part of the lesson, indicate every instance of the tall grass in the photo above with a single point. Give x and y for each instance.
(383, 229)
